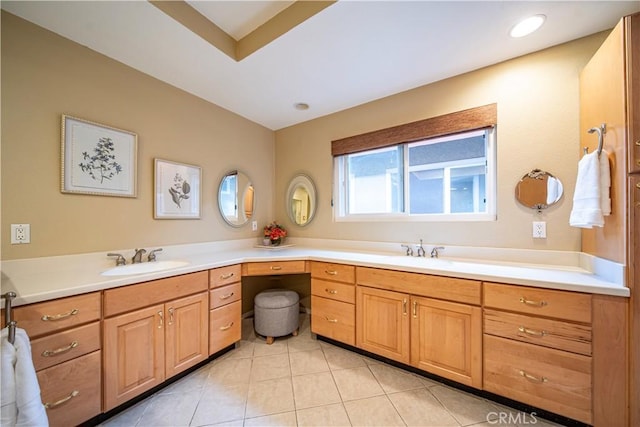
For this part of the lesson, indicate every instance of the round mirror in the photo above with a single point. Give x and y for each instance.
(301, 200)
(538, 190)
(236, 199)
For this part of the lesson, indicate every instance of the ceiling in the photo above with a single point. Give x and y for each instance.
(347, 54)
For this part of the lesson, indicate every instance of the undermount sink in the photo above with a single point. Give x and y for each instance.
(144, 267)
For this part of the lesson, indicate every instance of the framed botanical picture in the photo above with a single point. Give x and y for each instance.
(177, 190)
(98, 159)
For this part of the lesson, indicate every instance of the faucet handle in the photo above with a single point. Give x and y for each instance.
(119, 260)
(409, 250)
(152, 254)
(421, 251)
(434, 251)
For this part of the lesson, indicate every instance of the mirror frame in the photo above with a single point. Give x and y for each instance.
(240, 199)
(539, 204)
(301, 181)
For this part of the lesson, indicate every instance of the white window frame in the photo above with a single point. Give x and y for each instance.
(340, 188)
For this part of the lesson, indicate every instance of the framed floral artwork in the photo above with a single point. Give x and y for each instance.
(177, 190)
(98, 159)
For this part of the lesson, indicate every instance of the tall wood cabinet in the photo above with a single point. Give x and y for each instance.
(610, 94)
(153, 331)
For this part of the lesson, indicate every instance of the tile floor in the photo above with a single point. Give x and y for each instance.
(300, 381)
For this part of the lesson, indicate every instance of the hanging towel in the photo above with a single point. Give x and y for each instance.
(21, 404)
(592, 191)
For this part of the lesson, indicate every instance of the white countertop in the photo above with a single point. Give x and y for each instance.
(41, 279)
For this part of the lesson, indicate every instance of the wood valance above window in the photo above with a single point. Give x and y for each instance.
(447, 124)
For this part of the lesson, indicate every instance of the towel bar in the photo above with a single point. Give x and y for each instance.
(601, 131)
(8, 318)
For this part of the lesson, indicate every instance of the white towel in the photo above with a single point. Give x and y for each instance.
(21, 402)
(591, 197)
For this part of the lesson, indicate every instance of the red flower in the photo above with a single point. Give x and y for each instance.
(274, 231)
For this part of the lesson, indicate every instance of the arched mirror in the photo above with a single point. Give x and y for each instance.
(538, 190)
(301, 200)
(236, 198)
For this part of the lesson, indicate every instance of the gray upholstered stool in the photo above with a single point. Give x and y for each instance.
(276, 313)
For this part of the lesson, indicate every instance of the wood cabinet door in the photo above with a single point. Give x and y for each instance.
(186, 332)
(383, 323)
(133, 354)
(446, 339)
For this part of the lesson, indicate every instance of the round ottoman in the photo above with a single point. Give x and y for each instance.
(276, 313)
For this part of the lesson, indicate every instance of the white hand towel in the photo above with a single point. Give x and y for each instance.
(8, 408)
(29, 409)
(605, 184)
(587, 207)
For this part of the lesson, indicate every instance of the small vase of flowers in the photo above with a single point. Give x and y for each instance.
(275, 233)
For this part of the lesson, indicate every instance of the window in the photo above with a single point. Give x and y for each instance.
(448, 177)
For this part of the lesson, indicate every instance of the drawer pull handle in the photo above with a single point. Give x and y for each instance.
(415, 309)
(532, 332)
(638, 185)
(161, 324)
(638, 142)
(226, 276)
(533, 377)
(49, 353)
(73, 394)
(275, 267)
(226, 296)
(224, 328)
(331, 320)
(331, 291)
(533, 303)
(171, 310)
(331, 272)
(404, 306)
(49, 317)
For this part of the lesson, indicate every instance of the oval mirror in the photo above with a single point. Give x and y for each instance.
(538, 190)
(301, 200)
(236, 198)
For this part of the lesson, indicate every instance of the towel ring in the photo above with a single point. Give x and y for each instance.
(601, 131)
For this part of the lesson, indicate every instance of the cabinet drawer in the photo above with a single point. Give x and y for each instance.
(272, 268)
(333, 290)
(333, 319)
(66, 345)
(542, 302)
(537, 330)
(336, 272)
(133, 297)
(225, 326)
(52, 316)
(549, 379)
(225, 295)
(425, 285)
(224, 275)
(72, 390)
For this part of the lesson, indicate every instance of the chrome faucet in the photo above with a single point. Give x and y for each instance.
(137, 258)
(120, 260)
(434, 251)
(421, 251)
(152, 254)
(409, 250)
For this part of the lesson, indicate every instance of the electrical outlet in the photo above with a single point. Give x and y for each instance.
(254, 225)
(20, 234)
(539, 229)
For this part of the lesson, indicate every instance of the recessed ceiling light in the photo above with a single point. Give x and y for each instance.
(301, 106)
(527, 26)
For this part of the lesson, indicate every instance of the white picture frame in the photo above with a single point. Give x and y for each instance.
(177, 190)
(98, 159)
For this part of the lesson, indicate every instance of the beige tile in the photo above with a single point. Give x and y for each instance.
(270, 367)
(314, 390)
(191, 382)
(244, 349)
(356, 383)
(170, 410)
(221, 404)
(270, 397)
(420, 408)
(308, 362)
(129, 417)
(327, 416)
(465, 408)
(261, 348)
(285, 419)
(230, 372)
(303, 343)
(393, 379)
(510, 417)
(374, 411)
(339, 358)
